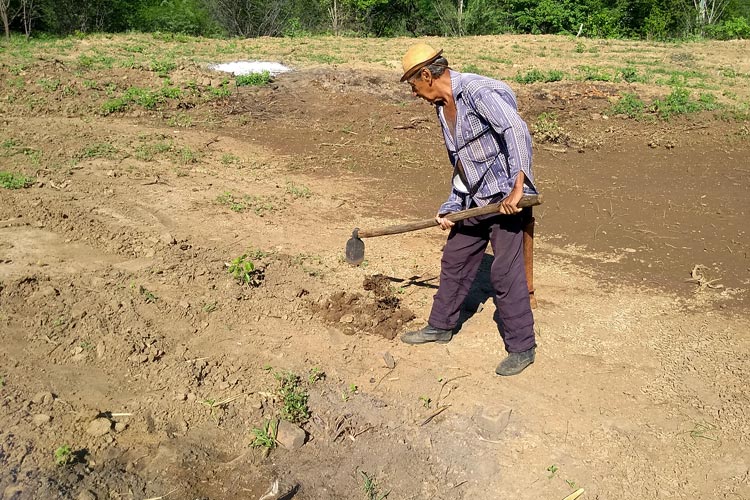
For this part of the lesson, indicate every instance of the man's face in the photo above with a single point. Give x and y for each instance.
(421, 87)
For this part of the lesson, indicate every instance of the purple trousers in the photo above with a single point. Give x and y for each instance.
(462, 256)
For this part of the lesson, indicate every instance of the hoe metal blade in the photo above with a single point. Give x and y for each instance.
(355, 249)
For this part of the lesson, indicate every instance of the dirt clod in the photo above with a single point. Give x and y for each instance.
(290, 436)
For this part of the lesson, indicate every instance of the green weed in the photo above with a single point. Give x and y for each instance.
(49, 85)
(253, 79)
(296, 191)
(630, 105)
(678, 102)
(293, 397)
(325, 58)
(147, 152)
(148, 296)
(546, 129)
(552, 469)
(426, 401)
(10, 180)
(64, 455)
(209, 307)
(98, 150)
(260, 205)
(590, 73)
(265, 437)
(535, 75)
(371, 488)
(471, 68)
(243, 270)
(229, 159)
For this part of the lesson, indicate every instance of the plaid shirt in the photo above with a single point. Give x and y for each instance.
(492, 141)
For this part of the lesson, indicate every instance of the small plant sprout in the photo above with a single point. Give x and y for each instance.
(371, 488)
(213, 405)
(552, 469)
(426, 401)
(64, 455)
(265, 437)
(315, 375)
(298, 191)
(244, 271)
(148, 296)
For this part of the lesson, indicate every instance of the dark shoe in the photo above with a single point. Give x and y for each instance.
(427, 334)
(515, 362)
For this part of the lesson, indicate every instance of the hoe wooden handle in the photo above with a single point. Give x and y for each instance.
(525, 201)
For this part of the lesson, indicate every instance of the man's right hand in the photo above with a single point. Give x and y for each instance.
(443, 222)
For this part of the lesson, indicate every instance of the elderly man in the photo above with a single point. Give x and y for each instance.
(490, 150)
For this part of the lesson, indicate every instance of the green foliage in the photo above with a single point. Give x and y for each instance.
(148, 296)
(546, 129)
(260, 205)
(630, 105)
(293, 397)
(736, 27)
(591, 73)
(678, 102)
(98, 150)
(371, 488)
(265, 437)
(253, 79)
(149, 99)
(190, 17)
(535, 75)
(298, 191)
(10, 180)
(64, 455)
(631, 75)
(243, 270)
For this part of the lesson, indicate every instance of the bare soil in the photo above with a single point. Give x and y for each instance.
(125, 337)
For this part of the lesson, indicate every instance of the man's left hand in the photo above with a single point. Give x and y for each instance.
(509, 205)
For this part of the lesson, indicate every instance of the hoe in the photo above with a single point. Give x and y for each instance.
(355, 247)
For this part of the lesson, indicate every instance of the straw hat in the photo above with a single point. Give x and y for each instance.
(417, 57)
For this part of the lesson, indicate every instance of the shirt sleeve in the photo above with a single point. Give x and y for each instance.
(505, 120)
(454, 204)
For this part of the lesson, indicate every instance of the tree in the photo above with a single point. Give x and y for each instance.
(250, 18)
(709, 12)
(6, 16)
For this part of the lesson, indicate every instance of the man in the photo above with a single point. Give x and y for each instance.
(489, 147)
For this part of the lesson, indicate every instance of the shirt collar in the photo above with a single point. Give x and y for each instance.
(456, 86)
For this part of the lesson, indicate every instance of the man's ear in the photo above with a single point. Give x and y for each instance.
(427, 75)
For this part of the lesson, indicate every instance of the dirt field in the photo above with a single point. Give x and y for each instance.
(126, 339)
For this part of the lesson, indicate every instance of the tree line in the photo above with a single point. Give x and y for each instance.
(647, 19)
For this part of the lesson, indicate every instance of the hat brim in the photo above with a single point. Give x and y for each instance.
(413, 70)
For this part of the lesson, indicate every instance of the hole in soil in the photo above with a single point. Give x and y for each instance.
(378, 313)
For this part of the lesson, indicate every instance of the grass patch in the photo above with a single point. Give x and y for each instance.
(535, 75)
(298, 191)
(10, 180)
(253, 79)
(679, 102)
(260, 205)
(149, 99)
(630, 105)
(98, 150)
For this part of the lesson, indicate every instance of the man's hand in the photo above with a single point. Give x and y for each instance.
(509, 205)
(443, 222)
